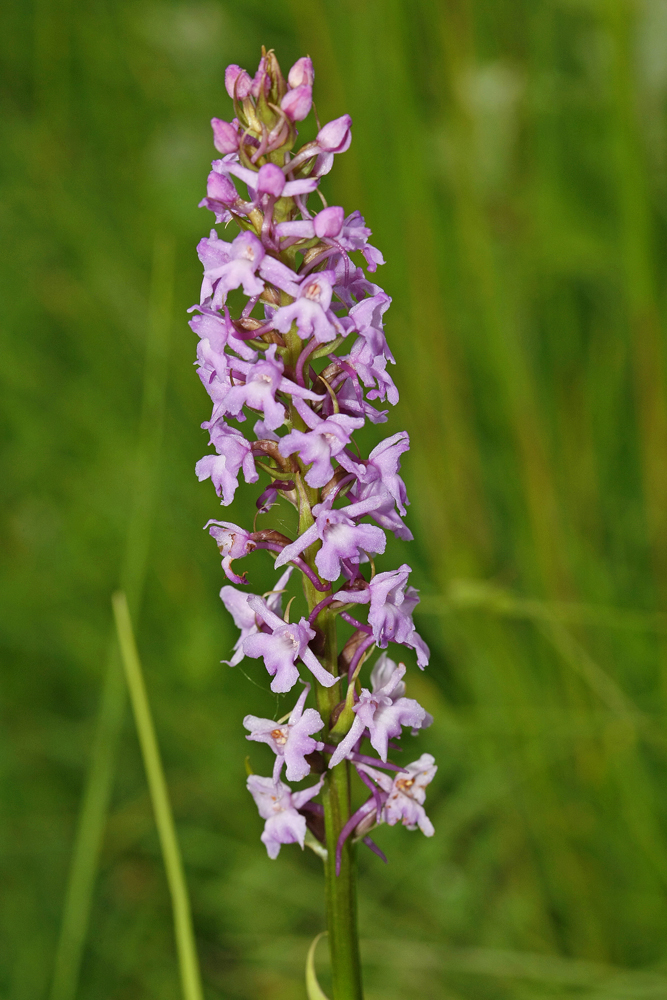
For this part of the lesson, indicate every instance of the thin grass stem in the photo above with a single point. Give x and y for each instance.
(164, 820)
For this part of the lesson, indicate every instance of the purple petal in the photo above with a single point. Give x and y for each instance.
(296, 548)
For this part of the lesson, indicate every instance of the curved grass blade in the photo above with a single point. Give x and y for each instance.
(313, 988)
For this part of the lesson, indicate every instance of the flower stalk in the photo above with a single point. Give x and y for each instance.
(306, 358)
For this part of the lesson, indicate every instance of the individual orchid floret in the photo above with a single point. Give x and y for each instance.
(233, 543)
(367, 316)
(345, 234)
(405, 803)
(225, 135)
(406, 793)
(310, 311)
(233, 454)
(279, 806)
(316, 447)
(378, 477)
(341, 538)
(371, 367)
(213, 362)
(214, 255)
(245, 255)
(262, 381)
(215, 376)
(245, 619)
(381, 469)
(383, 713)
(370, 353)
(352, 402)
(291, 741)
(391, 605)
(221, 198)
(220, 332)
(390, 614)
(353, 235)
(334, 137)
(280, 650)
(382, 672)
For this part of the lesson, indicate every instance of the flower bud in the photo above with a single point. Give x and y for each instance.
(270, 180)
(301, 72)
(220, 188)
(278, 85)
(237, 82)
(225, 136)
(297, 103)
(329, 222)
(335, 136)
(261, 80)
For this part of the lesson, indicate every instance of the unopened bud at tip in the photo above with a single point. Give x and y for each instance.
(261, 79)
(297, 103)
(301, 72)
(237, 82)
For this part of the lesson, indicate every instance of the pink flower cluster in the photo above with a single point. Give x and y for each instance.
(306, 358)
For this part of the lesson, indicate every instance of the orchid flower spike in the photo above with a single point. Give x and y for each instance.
(292, 343)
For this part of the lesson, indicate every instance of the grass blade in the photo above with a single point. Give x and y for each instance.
(185, 942)
(313, 988)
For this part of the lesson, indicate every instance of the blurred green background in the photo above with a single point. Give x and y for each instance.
(511, 159)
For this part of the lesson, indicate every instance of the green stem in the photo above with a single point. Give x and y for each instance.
(341, 895)
(340, 890)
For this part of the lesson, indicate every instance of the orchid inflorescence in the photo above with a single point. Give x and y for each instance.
(306, 357)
